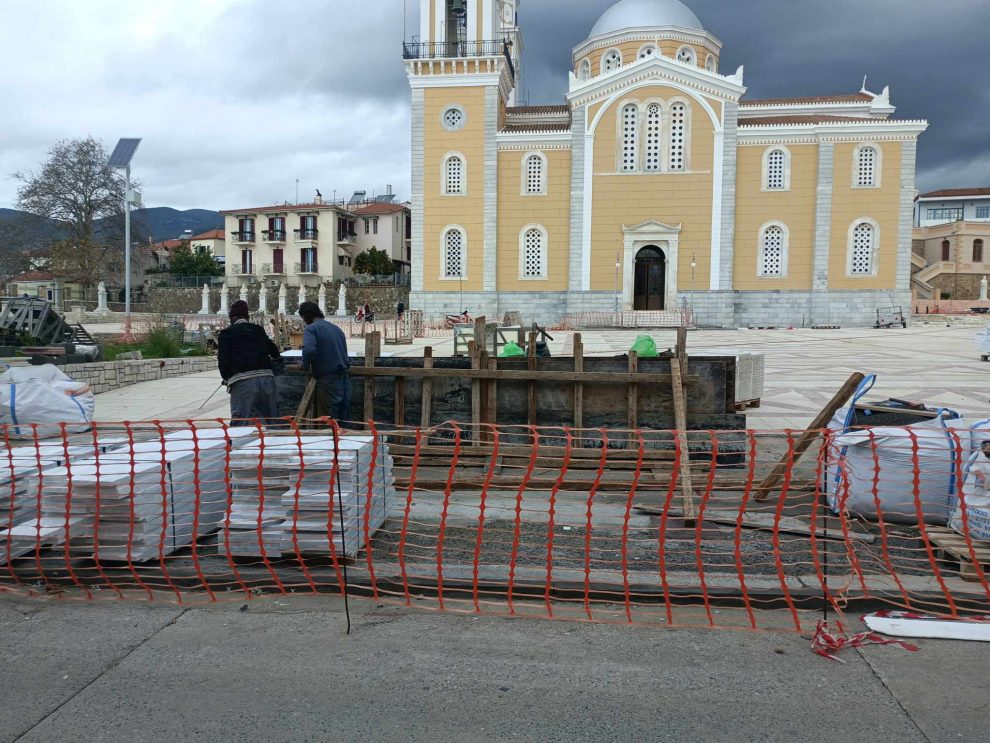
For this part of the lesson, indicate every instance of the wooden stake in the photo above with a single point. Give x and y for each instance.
(400, 401)
(806, 439)
(531, 391)
(372, 349)
(680, 422)
(304, 412)
(578, 386)
(475, 393)
(427, 390)
(632, 392)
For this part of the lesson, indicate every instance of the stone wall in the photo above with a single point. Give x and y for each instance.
(104, 376)
(961, 286)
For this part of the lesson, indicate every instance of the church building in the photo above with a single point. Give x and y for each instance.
(657, 185)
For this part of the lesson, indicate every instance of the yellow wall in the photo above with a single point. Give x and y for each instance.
(439, 210)
(880, 204)
(795, 208)
(552, 211)
(675, 198)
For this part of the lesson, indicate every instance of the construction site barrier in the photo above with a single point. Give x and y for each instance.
(704, 528)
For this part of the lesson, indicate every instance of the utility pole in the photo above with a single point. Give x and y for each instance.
(120, 159)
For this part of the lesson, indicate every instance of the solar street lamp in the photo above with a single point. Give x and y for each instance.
(120, 159)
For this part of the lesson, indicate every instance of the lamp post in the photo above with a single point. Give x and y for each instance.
(120, 159)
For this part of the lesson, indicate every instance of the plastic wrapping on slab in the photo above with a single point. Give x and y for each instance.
(976, 498)
(35, 400)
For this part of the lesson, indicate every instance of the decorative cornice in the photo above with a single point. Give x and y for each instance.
(583, 92)
(534, 140)
(879, 130)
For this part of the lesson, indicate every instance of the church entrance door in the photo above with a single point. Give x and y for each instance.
(651, 279)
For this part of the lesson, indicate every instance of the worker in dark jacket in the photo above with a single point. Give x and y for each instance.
(325, 357)
(245, 360)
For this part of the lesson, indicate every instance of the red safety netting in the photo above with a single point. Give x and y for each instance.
(585, 524)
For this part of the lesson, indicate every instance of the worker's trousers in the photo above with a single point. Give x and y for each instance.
(254, 401)
(333, 396)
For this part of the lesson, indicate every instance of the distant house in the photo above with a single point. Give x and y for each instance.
(387, 227)
(45, 285)
(949, 251)
(213, 242)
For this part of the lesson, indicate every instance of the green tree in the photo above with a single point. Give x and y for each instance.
(373, 262)
(184, 262)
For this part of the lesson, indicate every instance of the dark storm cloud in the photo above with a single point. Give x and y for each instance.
(236, 99)
(932, 55)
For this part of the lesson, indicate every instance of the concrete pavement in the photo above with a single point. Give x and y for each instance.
(283, 669)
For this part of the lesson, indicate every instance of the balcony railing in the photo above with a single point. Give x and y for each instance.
(346, 237)
(307, 234)
(307, 267)
(244, 269)
(273, 269)
(243, 237)
(274, 236)
(459, 49)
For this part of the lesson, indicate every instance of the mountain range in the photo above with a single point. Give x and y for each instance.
(158, 223)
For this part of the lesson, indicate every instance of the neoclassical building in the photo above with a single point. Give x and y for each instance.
(657, 185)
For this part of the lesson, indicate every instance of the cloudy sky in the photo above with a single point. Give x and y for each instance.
(236, 99)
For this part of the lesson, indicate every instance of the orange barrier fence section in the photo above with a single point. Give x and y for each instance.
(641, 527)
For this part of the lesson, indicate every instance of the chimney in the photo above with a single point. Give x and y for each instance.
(388, 189)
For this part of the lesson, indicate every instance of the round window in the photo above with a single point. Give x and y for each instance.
(453, 118)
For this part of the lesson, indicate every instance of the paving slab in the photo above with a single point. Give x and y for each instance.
(285, 670)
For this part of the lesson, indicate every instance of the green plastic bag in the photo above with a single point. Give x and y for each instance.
(511, 349)
(645, 348)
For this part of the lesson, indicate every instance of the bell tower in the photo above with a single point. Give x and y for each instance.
(463, 69)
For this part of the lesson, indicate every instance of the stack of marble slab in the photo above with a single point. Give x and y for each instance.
(283, 499)
(22, 473)
(148, 499)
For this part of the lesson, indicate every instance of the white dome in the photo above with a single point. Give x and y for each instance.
(646, 14)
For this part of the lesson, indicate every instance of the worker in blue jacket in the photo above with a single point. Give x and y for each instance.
(325, 357)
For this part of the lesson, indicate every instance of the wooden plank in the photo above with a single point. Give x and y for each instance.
(578, 386)
(492, 414)
(764, 521)
(592, 454)
(632, 392)
(885, 409)
(806, 439)
(680, 351)
(400, 401)
(531, 367)
(304, 411)
(680, 422)
(372, 349)
(521, 375)
(427, 390)
(480, 326)
(475, 354)
(578, 485)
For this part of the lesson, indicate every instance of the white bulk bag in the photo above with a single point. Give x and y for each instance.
(976, 497)
(43, 395)
(899, 463)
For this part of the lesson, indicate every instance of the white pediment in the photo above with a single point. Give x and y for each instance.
(652, 227)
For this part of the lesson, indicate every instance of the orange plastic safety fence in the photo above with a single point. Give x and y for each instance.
(581, 524)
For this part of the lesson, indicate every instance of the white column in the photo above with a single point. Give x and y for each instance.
(983, 289)
(263, 299)
(282, 295)
(321, 298)
(101, 298)
(243, 296)
(224, 300)
(342, 301)
(205, 307)
(302, 294)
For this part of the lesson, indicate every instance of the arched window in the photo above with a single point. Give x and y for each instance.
(654, 138)
(611, 61)
(679, 117)
(862, 249)
(686, 55)
(977, 251)
(534, 175)
(946, 250)
(710, 63)
(773, 251)
(867, 164)
(533, 253)
(585, 73)
(454, 176)
(776, 170)
(630, 138)
(649, 51)
(454, 246)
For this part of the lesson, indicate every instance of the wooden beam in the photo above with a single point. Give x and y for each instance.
(400, 401)
(632, 392)
(492, 416)
(578, 386)
(520, 375)
(807, 438)
(304, 412)
(680, 423)
(427, 390)
(475, 356)
(372, 349)
(531, 368)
